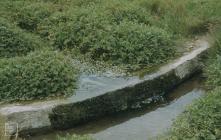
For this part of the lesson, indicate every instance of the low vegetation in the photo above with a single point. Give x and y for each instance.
(201, 120)
(126, 43)
(119, 32)
(133, 33)
(14, 42)
(38, 75)
(34, 34)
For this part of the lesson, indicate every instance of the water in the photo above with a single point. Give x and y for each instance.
(140, 124)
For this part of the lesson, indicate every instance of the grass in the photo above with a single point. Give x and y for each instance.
(202, 119)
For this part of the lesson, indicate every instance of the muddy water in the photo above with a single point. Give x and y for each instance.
(140, 124)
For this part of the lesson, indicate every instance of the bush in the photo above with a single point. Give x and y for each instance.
(82, 31)
(213, 72)
(213, 68)
(45, 27)
(119, 11)
(36, 76)
(93, 26)
(14, 42)
(201, 121)
(139, 44)
(125, 43)
(29, 16)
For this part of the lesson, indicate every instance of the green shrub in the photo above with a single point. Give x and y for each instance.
(139, 44)
(74, 137)
(14, 42)
(119, 11)
(30, 15)
(213, 72)
(155, 7)
(201, 120)
(99, 35)
(92, 26)
(38, 75)
(82, 30)
(125, 43)
(213, 65)
(45, 27)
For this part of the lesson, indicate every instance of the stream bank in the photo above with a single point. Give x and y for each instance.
(103, 98)
(144, 123)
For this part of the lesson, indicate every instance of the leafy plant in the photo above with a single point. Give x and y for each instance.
(122, 10)
(201, 120)
(29, 16)
(36, 76)
(140, 44)
(14, 42)
(125, 43)
(213, 65)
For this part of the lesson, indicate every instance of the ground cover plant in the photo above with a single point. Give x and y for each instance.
(133, 33)
(14, 42)
(36, 76)
(120, 32)
(202, 119)
(38, 36)
(128, 32)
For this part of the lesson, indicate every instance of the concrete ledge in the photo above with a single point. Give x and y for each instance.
(45, 116)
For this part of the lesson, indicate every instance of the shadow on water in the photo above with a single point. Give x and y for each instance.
(143, 123)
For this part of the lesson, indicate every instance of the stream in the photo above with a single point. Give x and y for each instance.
(142, 124)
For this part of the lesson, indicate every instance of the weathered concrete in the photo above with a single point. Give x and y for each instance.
(63, 114)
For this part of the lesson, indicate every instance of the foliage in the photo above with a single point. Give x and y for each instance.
(140, 44)
(122, 10)
(119, 32)
(95, 27)
(38, 75)
(14, 42)
(30, 16)
(126, 43)
(213, 72)
(201, 120)
(213, 69)
(74, 137)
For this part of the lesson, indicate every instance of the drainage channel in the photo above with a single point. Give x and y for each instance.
(140, 124)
